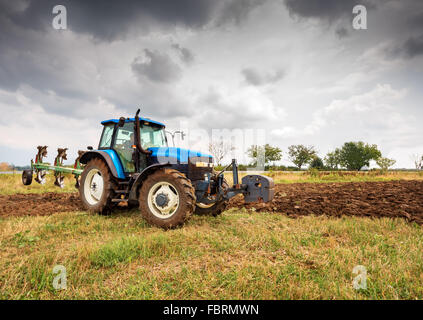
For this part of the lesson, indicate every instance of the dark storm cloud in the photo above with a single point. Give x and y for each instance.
(329, 10)
(413, 46)
(185, 54)
(109, 20)
(256, 78)
(342, 32)
(157, 67)
(409, 43)
(30, 56)
(237, 10)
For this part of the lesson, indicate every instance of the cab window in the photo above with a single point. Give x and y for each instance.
(152, 136)
(123, 145)
(106, 138)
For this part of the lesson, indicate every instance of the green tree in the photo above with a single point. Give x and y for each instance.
(385, 163)
(356, 155)
(301, 155)
(271, 154)
(332, 159)
(317, 163)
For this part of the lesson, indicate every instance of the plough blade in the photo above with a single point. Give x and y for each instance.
(41, 168)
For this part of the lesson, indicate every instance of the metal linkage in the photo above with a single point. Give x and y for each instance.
(58, 162)
(77, 165)
(40, 176)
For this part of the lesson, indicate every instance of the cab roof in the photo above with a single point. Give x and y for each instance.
(132, 120)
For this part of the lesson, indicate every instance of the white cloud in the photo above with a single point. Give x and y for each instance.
(28, 125)
(373, 107)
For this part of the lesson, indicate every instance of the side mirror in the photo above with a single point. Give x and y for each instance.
(121, 122)
(183, 135)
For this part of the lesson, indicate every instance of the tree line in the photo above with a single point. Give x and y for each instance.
(351, 156)
(354, 156)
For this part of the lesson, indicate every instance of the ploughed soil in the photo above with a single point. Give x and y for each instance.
(34, 204)
(402, 199)
(373, 199)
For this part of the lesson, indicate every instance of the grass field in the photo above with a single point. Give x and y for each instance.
(237, 255)
(241, 254)
(337, 176)
(12, 184)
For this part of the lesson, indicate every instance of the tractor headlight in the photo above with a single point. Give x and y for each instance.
(201, 164)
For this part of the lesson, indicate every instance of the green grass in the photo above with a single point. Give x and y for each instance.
(239, 255)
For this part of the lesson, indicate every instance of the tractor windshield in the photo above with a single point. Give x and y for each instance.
(152, 136)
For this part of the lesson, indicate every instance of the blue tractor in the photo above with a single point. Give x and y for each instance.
(134, 164)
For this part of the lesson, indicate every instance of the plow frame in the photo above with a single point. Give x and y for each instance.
(59, 169)
(40, 168)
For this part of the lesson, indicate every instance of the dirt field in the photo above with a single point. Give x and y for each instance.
(375, 199)
(38, 204)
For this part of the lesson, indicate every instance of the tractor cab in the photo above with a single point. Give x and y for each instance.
(119, 136)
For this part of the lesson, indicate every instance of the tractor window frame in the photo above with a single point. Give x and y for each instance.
(112, 138)
(123, 158)
(162, 131)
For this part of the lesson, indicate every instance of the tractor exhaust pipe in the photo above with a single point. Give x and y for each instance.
(137, 136)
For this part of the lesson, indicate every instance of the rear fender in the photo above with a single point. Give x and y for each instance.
(142, 176)
(108, 156)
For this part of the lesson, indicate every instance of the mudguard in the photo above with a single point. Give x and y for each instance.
(259, 188)
(110, 157)
(147, 171)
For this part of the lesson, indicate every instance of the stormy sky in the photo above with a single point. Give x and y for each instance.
(294, 68)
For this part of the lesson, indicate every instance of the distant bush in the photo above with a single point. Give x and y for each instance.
(313, 172)
(4, 166)
(317, 163)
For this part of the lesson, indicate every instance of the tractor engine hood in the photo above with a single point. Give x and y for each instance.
(180, 156)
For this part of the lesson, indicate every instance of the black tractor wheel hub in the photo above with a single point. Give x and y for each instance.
(162, 200)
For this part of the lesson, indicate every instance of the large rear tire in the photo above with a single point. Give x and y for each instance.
(167, 198)
(96, 189)
(213, 209)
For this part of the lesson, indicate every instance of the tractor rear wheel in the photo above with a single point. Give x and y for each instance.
(213, 209)
(167, 198)
(96, 189)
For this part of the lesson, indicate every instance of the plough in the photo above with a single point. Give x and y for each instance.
(40, 168)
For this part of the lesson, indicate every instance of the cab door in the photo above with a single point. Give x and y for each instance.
(123, 145)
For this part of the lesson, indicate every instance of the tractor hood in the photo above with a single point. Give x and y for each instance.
(179, 155)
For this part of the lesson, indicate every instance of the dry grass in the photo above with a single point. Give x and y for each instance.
(240, 255)
(12, 184)
(336, 176)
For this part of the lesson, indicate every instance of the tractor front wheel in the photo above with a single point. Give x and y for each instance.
(96, 187)
(167, 198)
